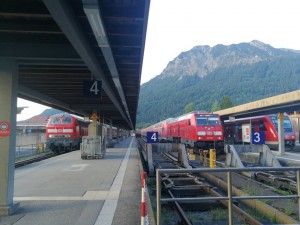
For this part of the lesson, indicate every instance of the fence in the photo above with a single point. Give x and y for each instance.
(229, 197)
(30, 149)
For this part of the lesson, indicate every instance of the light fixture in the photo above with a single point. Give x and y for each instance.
(93, 15)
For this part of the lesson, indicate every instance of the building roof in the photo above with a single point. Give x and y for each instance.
(34, 121)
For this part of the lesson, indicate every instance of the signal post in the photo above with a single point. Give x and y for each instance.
(281, 147)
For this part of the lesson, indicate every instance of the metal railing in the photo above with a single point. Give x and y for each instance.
(30, 149)
(229, 197)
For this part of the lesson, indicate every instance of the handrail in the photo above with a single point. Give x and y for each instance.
(229, 197)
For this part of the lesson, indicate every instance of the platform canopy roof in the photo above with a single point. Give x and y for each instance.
(62, 45)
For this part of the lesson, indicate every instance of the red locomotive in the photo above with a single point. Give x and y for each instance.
(195, 129)
(64, 132)
(238, 131)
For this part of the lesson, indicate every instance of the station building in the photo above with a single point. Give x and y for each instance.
(31, 131)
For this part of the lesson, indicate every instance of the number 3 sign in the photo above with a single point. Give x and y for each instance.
(152, 137)
(258, 138)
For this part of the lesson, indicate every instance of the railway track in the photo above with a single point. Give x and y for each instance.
(211, 207)
(195, 187)
(33, 159)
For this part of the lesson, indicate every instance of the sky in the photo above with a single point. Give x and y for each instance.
(176, 26)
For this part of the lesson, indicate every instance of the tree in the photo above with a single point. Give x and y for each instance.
(189, 108)
(226, 102)
(215, 106)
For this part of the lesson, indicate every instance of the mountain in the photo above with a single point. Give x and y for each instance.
(244, 72)
(50, 112)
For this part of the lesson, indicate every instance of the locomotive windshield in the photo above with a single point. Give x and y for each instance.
(208, 120)
(55, 120)
(66, 120)
(58, 120)
(287, 125)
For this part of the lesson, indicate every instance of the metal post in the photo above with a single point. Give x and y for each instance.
(158, 196)
(229, 190)
(298, 190)
(201, 156)
(212, 158)
(281, 146)
(205, 157)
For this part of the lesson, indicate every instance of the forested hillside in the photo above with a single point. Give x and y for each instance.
(254, 71)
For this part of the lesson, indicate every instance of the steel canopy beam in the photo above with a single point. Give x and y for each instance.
(45, 100)
(92, 107)
(66, 20)
(38, 51)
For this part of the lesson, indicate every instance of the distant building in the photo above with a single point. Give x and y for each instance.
(36, 124)
(31, 131)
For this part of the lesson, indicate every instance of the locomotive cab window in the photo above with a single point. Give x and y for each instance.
(262, 126)
(55, 120)
(214, 121)
(67, 120)
(287, 125)
(201, 121)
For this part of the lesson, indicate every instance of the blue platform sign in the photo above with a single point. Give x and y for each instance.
(92, 89)
(258, 138)
(152, 137)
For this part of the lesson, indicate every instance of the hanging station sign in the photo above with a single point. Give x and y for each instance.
(92, 89)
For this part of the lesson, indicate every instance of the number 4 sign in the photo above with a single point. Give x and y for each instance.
(152, 137)
(92, 89)
(258, 138)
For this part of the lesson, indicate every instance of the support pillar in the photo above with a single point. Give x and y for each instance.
(281, 147)
(8, 113)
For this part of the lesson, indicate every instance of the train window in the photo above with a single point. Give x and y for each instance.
(189, 122)
(201, 121)
(287, 125)
(67, 120)
(55, 120)
(214, 121)
(262, 126)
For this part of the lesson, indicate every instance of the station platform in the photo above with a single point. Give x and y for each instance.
(288, 158)
(67, 190)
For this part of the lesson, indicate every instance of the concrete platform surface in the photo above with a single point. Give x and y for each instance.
(68, 190)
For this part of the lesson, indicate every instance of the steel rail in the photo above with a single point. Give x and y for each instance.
(229, 197)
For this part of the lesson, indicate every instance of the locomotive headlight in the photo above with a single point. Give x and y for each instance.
(218, 133)
(50, 135)
(201, 133)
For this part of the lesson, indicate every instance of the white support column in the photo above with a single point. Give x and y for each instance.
(281, 147)
(8, 113)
